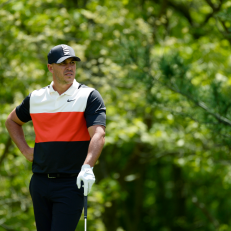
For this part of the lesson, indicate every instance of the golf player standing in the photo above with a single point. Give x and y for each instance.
(69, 120)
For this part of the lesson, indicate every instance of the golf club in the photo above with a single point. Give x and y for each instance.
(85, 213)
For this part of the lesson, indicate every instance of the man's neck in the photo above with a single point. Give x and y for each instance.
(61, 88)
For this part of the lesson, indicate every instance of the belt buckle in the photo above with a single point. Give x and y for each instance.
(51, 176)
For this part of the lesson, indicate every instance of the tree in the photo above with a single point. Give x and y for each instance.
(162, 68)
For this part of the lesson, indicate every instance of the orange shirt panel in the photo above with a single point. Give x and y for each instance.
(60, 126)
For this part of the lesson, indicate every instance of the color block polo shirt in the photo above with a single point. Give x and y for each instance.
(61, 125)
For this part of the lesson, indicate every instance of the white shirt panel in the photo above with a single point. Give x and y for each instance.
(44, 101)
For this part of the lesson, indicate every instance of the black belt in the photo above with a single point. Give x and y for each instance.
(58, 175)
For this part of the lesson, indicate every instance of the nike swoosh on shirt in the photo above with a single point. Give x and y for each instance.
(70, 100)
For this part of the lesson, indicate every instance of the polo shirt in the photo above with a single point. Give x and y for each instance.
(61, 125)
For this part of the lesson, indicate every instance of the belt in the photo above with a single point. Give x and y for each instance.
(58, 175)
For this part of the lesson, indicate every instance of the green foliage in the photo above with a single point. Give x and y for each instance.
(163, 69)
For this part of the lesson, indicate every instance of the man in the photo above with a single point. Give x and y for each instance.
(69, 120)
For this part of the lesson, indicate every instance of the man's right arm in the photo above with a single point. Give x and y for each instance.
(14, 127)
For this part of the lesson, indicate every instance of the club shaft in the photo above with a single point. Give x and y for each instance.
(85, 207)
(85, 212)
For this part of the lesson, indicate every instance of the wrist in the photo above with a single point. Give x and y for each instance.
(85, 166)
(25, 150)
(88, 163)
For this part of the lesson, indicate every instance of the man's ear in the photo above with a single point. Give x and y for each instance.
(50, 67)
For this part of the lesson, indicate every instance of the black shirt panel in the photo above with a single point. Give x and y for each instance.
(59, 157)
(95, 112)
(23, 110)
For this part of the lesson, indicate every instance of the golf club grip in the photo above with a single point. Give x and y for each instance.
(85, 206)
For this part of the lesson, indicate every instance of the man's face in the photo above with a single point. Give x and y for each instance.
(63, 73)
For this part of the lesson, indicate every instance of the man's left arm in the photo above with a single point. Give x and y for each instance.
(95, 115)
(97, 134)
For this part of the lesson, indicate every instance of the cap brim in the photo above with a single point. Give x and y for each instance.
(66, 57)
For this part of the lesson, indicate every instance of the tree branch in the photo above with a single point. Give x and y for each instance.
(215, 10)
(202, 207)
(202, 105)
(7, 227)
(5, 3)
(182, 9)
(210, 4)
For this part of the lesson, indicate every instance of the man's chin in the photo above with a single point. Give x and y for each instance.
(69, 80)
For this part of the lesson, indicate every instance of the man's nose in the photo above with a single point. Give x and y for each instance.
(69, 66)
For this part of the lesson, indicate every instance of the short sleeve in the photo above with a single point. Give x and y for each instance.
(95, 112)
(23, 110)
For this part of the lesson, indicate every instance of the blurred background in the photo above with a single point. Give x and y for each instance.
(163, 68)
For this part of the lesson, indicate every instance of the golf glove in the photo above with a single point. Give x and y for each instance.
(87, 176)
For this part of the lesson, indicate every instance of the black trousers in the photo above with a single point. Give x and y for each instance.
(57, 202)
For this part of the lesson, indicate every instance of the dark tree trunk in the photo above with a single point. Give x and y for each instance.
(179, 197)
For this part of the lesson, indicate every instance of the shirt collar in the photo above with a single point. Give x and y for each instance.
(69, 91)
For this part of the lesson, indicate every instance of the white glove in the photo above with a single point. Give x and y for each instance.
(87, 176)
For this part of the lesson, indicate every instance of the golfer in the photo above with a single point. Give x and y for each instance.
(69, 121)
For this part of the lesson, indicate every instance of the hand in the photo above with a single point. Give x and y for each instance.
(29, 154)
(87, 176)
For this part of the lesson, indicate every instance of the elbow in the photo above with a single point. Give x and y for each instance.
(11, 124)
(103, 133)
(7, 122)
(103, 139)
(102, 136)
